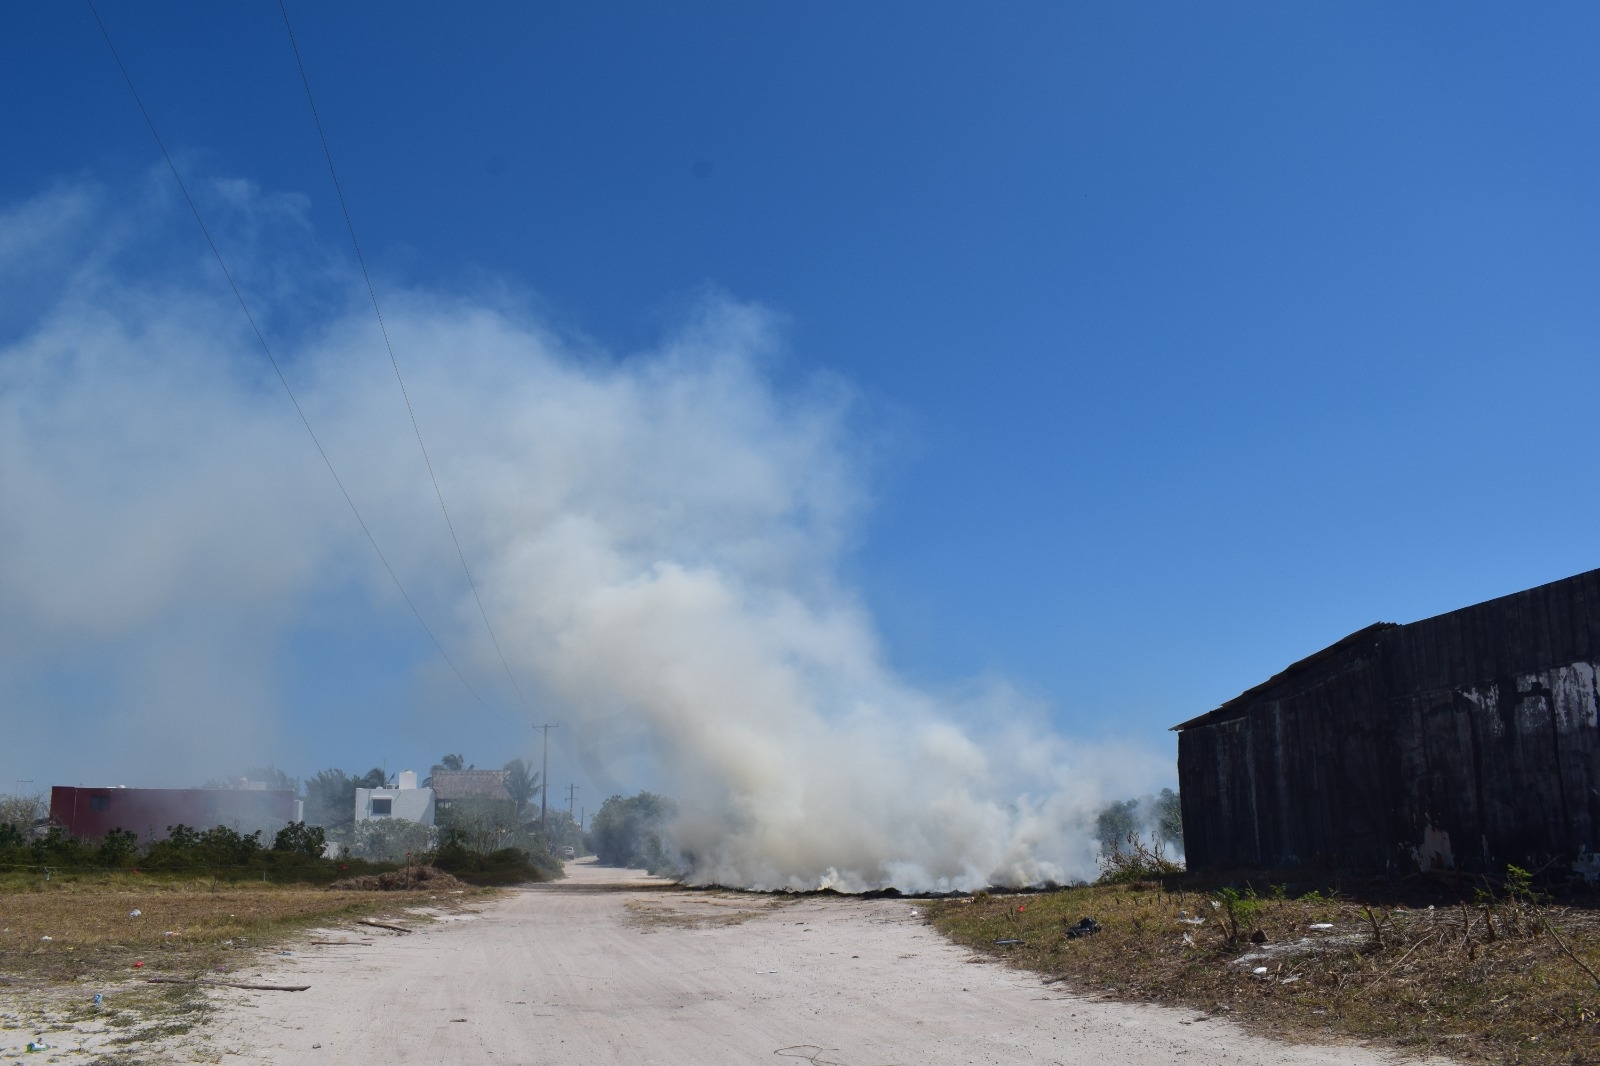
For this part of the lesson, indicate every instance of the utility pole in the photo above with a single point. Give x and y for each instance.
(544, 775)
(572, 795)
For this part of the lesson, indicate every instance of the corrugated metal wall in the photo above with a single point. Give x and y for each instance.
(93, 812)
(1471, 738)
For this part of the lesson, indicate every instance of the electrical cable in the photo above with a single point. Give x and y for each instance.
(366, 276)
(267, 349)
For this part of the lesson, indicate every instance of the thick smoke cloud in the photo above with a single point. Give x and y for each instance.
(658, 537)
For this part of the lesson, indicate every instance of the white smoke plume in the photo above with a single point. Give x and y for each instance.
(657, 536)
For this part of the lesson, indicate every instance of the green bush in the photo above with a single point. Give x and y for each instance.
(297, 838)
(58, 848)
(631, 832)
(459, 853)
(186, 847)
(1243, 910)
(392, 839)
(117, 847)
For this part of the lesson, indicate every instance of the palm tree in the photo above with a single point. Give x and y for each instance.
(450, 763)
(521, 783)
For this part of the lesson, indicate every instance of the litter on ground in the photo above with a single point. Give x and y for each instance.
(1085, 927)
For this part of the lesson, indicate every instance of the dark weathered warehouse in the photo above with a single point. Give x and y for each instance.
(1468, 740)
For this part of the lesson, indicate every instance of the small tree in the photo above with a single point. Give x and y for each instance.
(1169, 817)
(391, 839)
(451, 763)
(521, 783)
(631, 832)
(22, 811)
(116, 847)
(301, 839)
(1115, 822)
(331, 797)
(482, 824)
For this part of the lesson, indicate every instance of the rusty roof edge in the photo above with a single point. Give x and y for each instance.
(1297, 667)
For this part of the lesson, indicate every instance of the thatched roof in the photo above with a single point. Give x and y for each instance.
(470, 784)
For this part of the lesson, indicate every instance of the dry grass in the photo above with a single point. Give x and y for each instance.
(407, 879)
(69, 929)
(703, 912)
(1454, 979)
(64, 940)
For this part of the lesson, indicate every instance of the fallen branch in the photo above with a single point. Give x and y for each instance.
(382, 925)
(1391, 971)
(224, 984)
(1568, 952)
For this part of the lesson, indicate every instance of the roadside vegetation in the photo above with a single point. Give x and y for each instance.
(1488, 970)
(632, 833)
(78, 951)
(110, 941)
(82, 926)
(220, 854)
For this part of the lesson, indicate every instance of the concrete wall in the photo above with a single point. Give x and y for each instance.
(410, 804)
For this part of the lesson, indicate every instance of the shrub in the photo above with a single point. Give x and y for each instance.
(117, 847)
(58, 848)
(1243, 910)
(1131, 859)
(631, 832)
(186, 847)
(297, 838)
(392, 839)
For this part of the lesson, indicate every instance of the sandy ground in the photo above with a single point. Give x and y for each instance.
(613, 967)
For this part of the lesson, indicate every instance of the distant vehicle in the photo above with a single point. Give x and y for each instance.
(568, 853)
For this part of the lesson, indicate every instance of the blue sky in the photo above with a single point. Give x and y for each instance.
(1183, 340)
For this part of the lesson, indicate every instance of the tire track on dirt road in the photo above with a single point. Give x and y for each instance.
(614, 968)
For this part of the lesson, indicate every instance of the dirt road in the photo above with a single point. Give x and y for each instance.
(612, 967)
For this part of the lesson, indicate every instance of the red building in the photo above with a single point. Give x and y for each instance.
(92, 812)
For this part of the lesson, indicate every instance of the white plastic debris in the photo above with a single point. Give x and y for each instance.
(1259, 970)
(1196, 920)
(1320, 925)
(136, 912)
(47, 938)
(1188, 940)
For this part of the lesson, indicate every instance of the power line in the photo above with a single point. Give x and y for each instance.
(267, 349)
(366, 276)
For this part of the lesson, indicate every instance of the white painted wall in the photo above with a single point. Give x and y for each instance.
(411, 804)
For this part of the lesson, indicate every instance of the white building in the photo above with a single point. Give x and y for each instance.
(405, 801)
